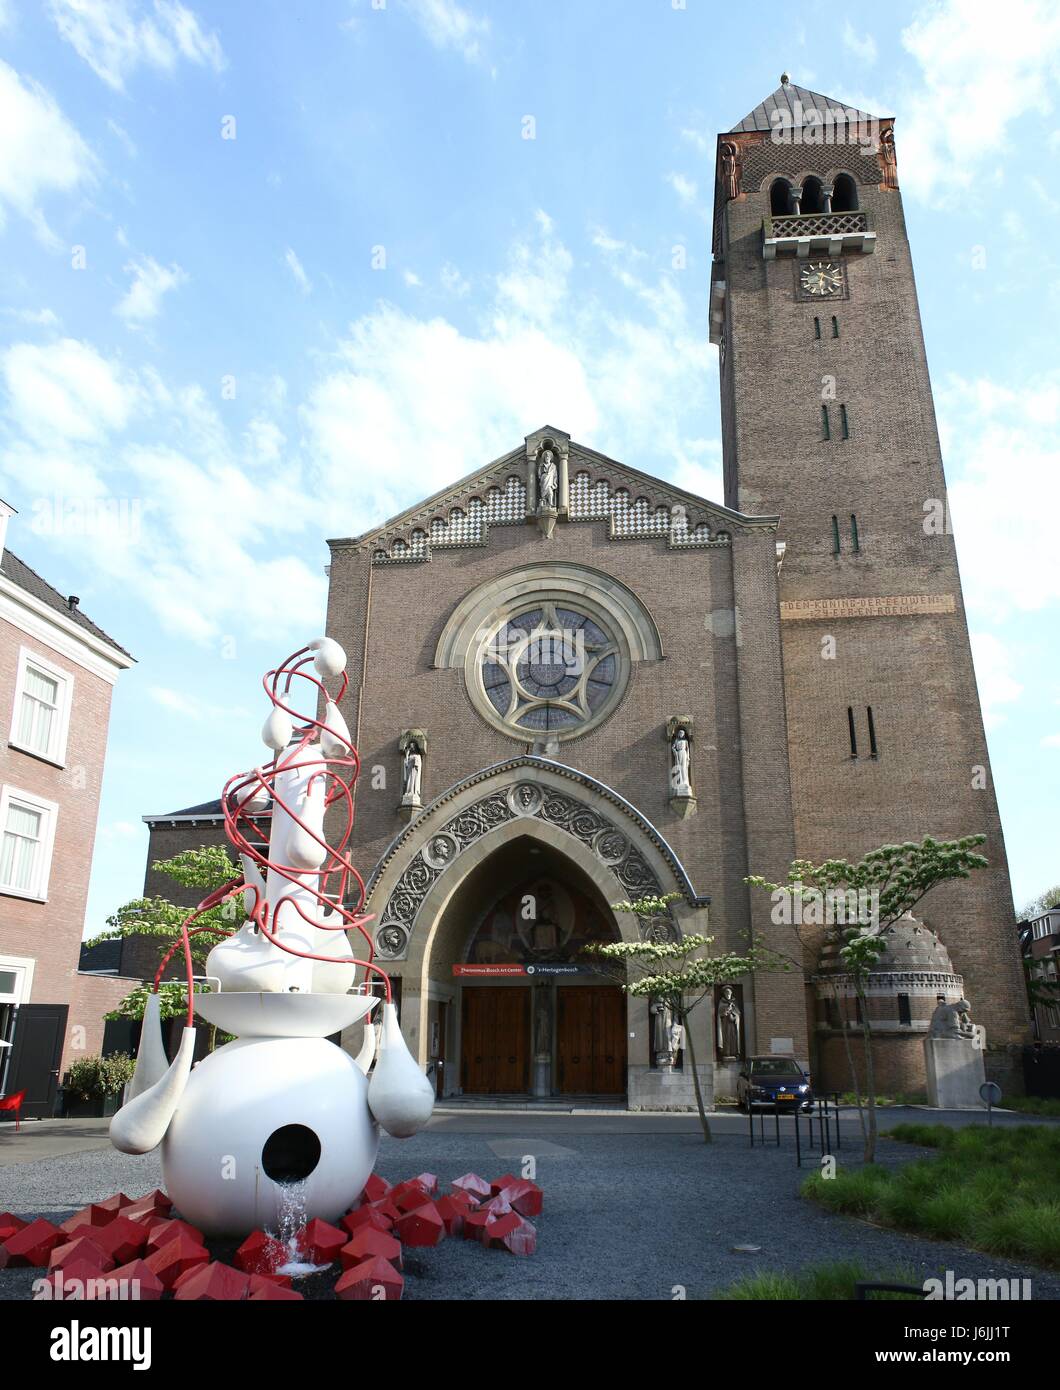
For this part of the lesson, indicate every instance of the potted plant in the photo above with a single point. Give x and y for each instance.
(93, 1086)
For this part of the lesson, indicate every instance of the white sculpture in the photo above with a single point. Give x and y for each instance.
(547, 480)
(681, 764)
(412, 775)
(281, 1105)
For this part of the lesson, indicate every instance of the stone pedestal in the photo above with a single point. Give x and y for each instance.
(955, 1071)
(543, 1076)
(656, 1088)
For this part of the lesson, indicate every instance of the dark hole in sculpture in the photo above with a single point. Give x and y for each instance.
(290, 1153)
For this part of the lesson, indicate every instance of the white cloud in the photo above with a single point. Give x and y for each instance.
(1002, 446)
(193, 706)
(142, 301)
(449, 25)
(211, 552)
(702, 140)
(863, 48)
(65, 392)
(413, 403)
(40, 152)
(115, 37)
(40, 318)
(993, 674)
(294, 265)
(683, 186)
(453, 282)
(230, 516)
(122, 136)
(976, 75)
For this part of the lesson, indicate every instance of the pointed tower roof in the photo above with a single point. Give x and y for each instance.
(794, 101)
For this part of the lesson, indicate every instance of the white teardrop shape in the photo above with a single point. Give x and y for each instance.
(399, 1095)
(277, 730)
(253, 879)
(141, 1124)
(330, 659)
(335, 739)
(366, 1056)
(151, 1062)
(254, 800)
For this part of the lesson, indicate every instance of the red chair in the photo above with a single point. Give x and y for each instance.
(14, 1103)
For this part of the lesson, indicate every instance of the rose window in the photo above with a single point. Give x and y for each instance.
(550, 670)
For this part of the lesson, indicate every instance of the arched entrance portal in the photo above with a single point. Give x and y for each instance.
(532, 1014)
(445, 889)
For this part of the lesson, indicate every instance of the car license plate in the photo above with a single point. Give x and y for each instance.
(785, 1095)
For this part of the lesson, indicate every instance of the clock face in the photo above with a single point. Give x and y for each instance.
(822, 278)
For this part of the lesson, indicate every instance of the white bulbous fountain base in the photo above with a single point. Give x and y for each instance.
(264, 1104)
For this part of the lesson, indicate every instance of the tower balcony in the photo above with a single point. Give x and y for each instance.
(817, 234)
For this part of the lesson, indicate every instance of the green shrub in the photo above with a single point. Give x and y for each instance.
(93, 1078)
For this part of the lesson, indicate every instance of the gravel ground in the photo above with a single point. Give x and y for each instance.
(627, 1215)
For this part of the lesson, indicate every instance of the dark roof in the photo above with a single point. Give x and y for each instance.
(206, 810)
(785, 98)
(25, 578)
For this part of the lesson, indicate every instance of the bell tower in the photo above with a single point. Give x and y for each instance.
(828, 421)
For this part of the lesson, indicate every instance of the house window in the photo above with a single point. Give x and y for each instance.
(904, 1015)
(27, 827)
(835, 535)
(844, 424)
(41, 716)
(854, 536)
(817, 328)
(874, 752)
(835, 326)
(853, 732)
(826, 428)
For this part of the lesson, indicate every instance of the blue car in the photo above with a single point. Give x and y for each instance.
(773, 1081)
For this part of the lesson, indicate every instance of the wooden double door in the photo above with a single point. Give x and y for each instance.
(590, 1040)
(495, 1040)
(590, 1050)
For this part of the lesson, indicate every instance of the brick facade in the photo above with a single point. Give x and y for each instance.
(46, 930)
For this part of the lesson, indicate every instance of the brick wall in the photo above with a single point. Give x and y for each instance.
(915, 672)
(50, 932)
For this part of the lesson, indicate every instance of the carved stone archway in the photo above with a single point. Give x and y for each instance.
(529, 792)
(588, 823)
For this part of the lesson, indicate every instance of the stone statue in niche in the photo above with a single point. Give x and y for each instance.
(412, 775)
(547, 480)
(681, 764)
(729, 1025)
(661, 1033)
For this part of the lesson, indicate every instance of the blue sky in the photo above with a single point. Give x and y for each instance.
(378, 284)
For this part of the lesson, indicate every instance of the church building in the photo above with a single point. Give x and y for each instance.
(574, 684)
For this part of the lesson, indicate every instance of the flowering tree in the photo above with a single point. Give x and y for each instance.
(679, 974)
(894, 879)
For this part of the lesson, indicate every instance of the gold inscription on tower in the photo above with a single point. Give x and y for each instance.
(893, 606)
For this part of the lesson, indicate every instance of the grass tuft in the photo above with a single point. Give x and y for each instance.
(996, 1190)
(830, 1283)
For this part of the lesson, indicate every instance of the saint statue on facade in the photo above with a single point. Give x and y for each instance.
(411, 775)
(547, 480)
(729, 1022)
(681, 764)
